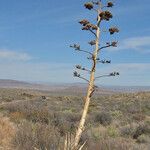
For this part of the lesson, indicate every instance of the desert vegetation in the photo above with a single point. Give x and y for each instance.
(118, 121)
(75, 118)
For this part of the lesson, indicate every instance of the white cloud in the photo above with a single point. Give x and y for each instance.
(13, 55)
(141, 44)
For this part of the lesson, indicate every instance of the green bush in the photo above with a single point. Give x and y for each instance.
(143, 139)
(103, 118)
(143, 128)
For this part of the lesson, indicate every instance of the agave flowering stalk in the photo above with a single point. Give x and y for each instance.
(102, 14)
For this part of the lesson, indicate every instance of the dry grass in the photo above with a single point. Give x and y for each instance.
(7, 132)
(115, 122)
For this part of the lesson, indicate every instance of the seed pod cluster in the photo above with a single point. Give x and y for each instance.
(84, 22)
(88, 5)
(76, 74)
(96, 3)
(110, 4)
(105, 61)
(89, 26)
(114, 74)
(113, 30)
(114, 44)
(75, 46)
(92, 42)
(94, 27)
(106, 15)
(78, 66)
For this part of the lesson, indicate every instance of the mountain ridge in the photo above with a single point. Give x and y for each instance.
(68, 87)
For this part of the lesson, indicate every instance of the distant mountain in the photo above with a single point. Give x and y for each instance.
(4, 83)
(74, 88)
(13, 83)
(128, 89)
(68, 89)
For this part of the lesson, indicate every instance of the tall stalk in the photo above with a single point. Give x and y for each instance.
(94, 29)
(90, 88)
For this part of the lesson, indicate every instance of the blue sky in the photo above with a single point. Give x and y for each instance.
(35, 36)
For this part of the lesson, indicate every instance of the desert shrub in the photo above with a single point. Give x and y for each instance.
(7, 131)
(116, 114)
(111, 144)
(143, 139)
(138, 117)
(103, 118)
(34, 112)
(16, 116)
(128, 130)
(112, 131)
(133, 108)
(40, 136)
(39, 115)
(143, 128)
(64, 123)
(27, 95)
(72, 117)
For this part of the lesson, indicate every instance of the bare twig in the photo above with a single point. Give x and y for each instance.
(92, 32)
(84, 79)
(108, 75)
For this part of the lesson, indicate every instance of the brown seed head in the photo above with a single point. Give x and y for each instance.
(88, 5)
(106, 15)
(114, 44)
(113, 30)
(76, 74)
(110, 4)
(89, 25)
(84, 22)
(78, 66)
(92, 42)
(85, 28)
(96, 3)
(94, 27)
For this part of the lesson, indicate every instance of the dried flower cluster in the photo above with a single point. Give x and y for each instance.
(96, 3)
(89, 26)
(92, 42)
(105, 61)
(88, 5)
(76, 74)
(110, 4)
(113, 30)
(106, 15)
(75, 46)
(84, 22)
(113, 44)
(114, 74)
(80, 67)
